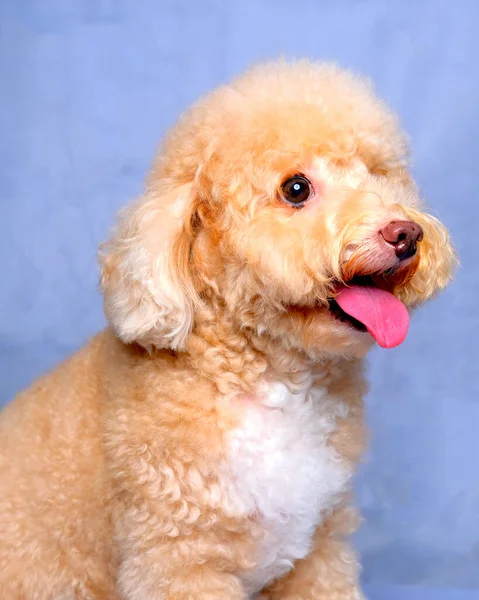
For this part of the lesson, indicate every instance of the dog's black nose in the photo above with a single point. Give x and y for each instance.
(403, 236)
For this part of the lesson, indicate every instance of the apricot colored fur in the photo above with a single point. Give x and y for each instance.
(143, 467)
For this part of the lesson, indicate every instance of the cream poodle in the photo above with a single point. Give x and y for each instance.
(202, 447)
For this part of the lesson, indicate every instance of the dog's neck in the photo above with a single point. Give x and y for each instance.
(238, 358)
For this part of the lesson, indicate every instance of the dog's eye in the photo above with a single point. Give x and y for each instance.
(296, 191)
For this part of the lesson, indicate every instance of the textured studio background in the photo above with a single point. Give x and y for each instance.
(87, 88)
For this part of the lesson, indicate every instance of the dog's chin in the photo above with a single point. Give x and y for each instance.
(346, 337)
(325, 332)
(328, 329)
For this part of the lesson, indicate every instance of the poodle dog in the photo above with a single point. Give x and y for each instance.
(202, 446)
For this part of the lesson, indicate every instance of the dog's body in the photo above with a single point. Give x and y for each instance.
(272, 455)
(203, 446)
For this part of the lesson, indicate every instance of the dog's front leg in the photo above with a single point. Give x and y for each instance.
(177, 536)
(141, 578)
(193, 565)
(329, 572)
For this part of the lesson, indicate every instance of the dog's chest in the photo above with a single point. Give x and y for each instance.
(286, 473)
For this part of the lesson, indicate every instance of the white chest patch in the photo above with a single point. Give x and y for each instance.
(285, 472)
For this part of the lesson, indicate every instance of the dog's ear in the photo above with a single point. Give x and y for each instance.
(148, 290)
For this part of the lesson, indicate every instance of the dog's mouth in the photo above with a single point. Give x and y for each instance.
(366, 304)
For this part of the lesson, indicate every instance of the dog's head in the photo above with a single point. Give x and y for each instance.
(283, 199)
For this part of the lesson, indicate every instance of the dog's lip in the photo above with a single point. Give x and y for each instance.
(384, 280)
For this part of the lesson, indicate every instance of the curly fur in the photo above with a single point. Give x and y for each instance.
(202, 446)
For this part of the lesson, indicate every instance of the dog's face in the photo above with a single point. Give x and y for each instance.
(285, 199)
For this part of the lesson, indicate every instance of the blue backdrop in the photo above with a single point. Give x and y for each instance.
(87, 89)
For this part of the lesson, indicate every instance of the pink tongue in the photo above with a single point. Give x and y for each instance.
(385, 317)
